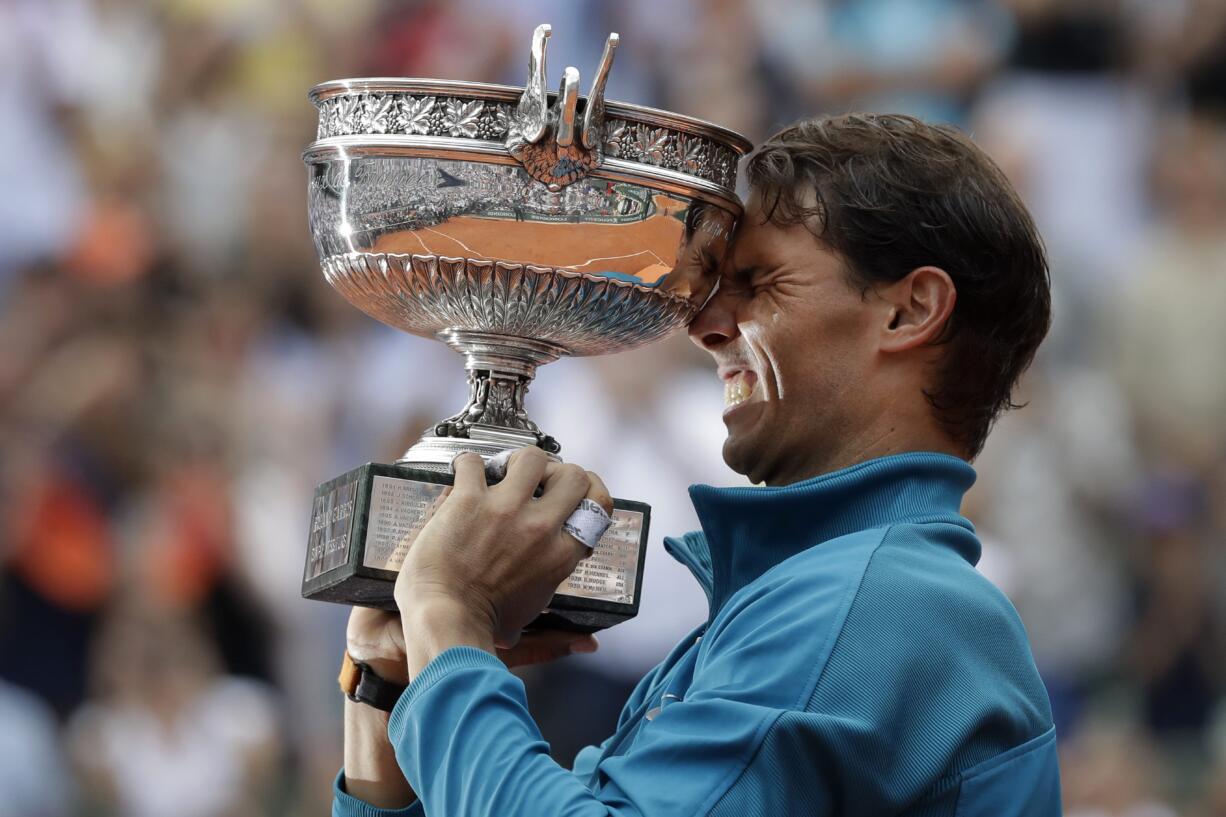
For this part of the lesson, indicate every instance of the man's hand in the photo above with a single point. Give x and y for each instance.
(491, 557)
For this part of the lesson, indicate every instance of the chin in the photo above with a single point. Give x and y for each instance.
(747, 446)
(743, 457)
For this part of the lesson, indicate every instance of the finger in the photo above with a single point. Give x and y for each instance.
(469, 470)
(373, 634)
(547, 645)
(369, 617)
(365, 623)
(598, 493)
(565, 484)
(496, 466)
(588, 522)
(524, 472)
(436, 504)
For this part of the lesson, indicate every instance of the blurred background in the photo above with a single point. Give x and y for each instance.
(176, 377)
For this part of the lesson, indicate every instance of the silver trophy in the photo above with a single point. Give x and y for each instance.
(516, 226)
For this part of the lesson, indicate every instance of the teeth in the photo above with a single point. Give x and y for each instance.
(736, 390)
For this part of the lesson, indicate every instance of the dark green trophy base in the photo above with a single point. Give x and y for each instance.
(364, 522)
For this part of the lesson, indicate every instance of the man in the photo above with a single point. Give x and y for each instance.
(885, 291)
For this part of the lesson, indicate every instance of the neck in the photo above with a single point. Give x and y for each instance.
(893, 428)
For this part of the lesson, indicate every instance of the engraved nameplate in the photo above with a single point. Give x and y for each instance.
(331, 520)
(400, 508)
(611, 572)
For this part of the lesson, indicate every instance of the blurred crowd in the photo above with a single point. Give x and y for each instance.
(176, 376)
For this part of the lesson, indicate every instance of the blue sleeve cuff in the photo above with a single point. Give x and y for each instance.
(346, 805)
(447, 662)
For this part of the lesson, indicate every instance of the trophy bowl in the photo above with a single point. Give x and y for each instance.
(517, 226)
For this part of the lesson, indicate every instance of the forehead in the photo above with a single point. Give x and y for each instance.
(762, 243)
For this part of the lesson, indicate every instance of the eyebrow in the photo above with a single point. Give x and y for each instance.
(739, 271)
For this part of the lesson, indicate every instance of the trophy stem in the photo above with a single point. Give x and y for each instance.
(500, 368)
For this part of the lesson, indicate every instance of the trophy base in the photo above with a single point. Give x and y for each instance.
(364, 522)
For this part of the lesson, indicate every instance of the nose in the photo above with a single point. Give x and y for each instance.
(715, 323)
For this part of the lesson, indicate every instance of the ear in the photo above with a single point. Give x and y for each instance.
(918, 308)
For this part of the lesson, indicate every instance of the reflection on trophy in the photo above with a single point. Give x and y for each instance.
(517, 226)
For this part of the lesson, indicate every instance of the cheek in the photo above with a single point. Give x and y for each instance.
(810, 357)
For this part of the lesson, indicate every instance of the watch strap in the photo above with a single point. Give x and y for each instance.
(361, 684)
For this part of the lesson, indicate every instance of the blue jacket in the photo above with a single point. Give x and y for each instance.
(854, 663)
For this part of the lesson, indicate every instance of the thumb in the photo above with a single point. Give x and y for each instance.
(542, 646)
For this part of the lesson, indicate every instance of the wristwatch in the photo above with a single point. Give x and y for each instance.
(361, 685)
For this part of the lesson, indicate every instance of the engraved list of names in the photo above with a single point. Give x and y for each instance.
(399, 509)
(612, 570)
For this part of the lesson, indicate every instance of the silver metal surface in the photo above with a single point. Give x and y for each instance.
(363, 120)
(517, 226)
(593, 116)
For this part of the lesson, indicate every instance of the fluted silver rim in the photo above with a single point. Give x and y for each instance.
(427, 294)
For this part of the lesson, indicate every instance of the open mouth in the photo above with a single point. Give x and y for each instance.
(738, 387)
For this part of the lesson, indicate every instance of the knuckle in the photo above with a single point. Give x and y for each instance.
(466, 459)
(600, 494)
(576, 474)
(529, 453)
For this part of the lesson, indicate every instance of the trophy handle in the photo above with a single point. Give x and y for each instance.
(532, 113)
(542, 139)
(568, 105)
(593, 117)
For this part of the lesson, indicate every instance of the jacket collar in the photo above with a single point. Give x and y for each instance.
(747, 531)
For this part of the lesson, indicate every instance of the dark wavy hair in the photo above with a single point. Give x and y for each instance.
(890, 193)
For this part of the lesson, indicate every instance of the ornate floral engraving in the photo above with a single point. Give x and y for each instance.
(466, 118)
(417, 112)
(651, 144)
(346, 114)
(378, 114)
(619, 138)
(462, 117)
(493, 123)
(695, 156)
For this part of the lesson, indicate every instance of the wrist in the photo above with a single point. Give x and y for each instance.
(371, 772)
(433, 626)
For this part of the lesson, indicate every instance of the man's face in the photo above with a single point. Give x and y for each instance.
(793, 341)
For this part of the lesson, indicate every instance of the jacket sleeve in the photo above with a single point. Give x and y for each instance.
(465, 740)
(346, 805)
